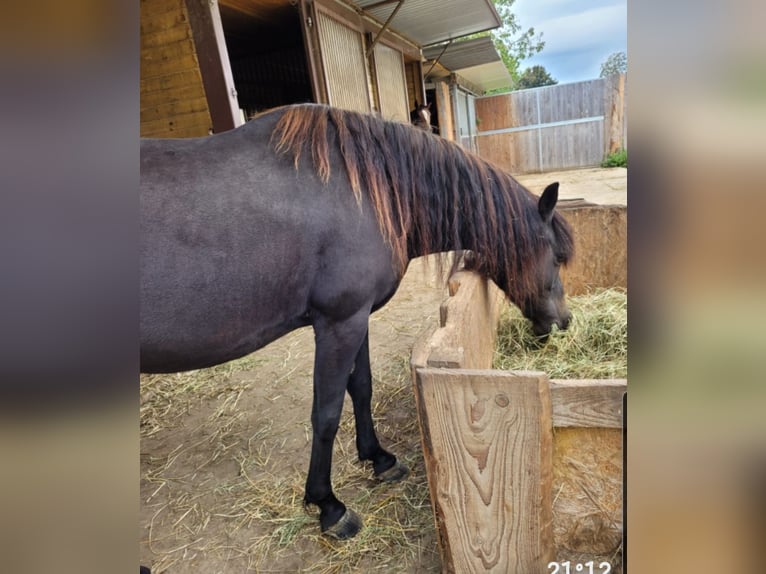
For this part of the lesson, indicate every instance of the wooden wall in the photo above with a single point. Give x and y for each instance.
(173, 101)
(554, 127)
(601, 247)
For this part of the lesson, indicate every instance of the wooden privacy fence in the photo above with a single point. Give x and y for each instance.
(555, 127)
(508, 494)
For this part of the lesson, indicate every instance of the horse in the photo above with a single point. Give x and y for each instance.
(309, 215)
(421, 116)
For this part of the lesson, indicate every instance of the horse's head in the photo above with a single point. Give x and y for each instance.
(545, 306)
(421, 115)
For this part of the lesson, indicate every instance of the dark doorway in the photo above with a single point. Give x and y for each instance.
(267, 55)
(431, 99)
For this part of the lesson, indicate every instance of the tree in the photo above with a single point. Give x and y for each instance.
(616, 63)
(513, 44)
(535, 77)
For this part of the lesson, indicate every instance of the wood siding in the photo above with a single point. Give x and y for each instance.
(173, 100)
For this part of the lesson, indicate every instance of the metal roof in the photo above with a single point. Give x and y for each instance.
(476, 60)
(464, 54)
(431, 21)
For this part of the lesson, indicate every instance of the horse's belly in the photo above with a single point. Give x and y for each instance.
(198, 323)
(182, 345)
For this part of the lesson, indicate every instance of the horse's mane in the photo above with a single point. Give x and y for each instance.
(429, 194)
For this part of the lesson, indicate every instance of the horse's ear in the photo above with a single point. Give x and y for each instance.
(548, 201)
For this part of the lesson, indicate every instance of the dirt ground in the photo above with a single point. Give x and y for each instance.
(224, 451)
(216, 439)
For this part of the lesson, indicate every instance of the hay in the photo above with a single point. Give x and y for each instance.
(595, 346)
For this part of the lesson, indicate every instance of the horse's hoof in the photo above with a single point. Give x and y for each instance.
(347, 527)
(394, 474)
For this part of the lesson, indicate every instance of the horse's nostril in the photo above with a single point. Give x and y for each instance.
(565, 322)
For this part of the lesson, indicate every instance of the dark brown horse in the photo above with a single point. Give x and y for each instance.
(421, 116)
(309, 215)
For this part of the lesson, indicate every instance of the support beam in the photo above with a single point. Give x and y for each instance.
(384, 28)
(439, 57)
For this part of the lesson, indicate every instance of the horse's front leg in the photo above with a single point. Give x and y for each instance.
(337, 344)
(384, 464)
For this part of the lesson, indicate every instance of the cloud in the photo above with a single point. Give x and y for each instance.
(583, 30)
(579, 34)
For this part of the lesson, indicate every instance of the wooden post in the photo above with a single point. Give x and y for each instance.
(487, 441)
(615, 97)
(444, 106)
(214, 65)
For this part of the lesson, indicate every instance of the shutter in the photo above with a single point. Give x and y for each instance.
(344, 64)
(392, 83)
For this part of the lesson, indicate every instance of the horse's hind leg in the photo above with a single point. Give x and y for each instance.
(337, 344)
(384, 464)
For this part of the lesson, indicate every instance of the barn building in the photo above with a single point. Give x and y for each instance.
(209, 65)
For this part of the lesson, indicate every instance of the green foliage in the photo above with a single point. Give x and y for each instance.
(535, 77)
(513, 44)
(616, 63)
(616, 159)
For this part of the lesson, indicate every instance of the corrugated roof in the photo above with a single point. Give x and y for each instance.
(491, 76)
(476, 60)
(464, 54)
(431, 21)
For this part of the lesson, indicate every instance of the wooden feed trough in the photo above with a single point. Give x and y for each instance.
(522, 470)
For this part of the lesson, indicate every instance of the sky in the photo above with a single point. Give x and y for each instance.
(579, 35)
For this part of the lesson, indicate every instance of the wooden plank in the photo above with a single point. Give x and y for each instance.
(173, 102)
(154, 8)
(178, 33)
(153, 22)
(444, 109)
(153, 68)
(494, 112)
(588, 490)
(571, 146)
(173, 109)
(194, 124)
(601, 246)
(487, 441)
(614, 98)
(175, 81)
(588, 403)
(207, 31)
(310, 34)
(172, 51)
(469, 318)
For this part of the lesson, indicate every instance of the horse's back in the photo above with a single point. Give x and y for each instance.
(237, 245)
